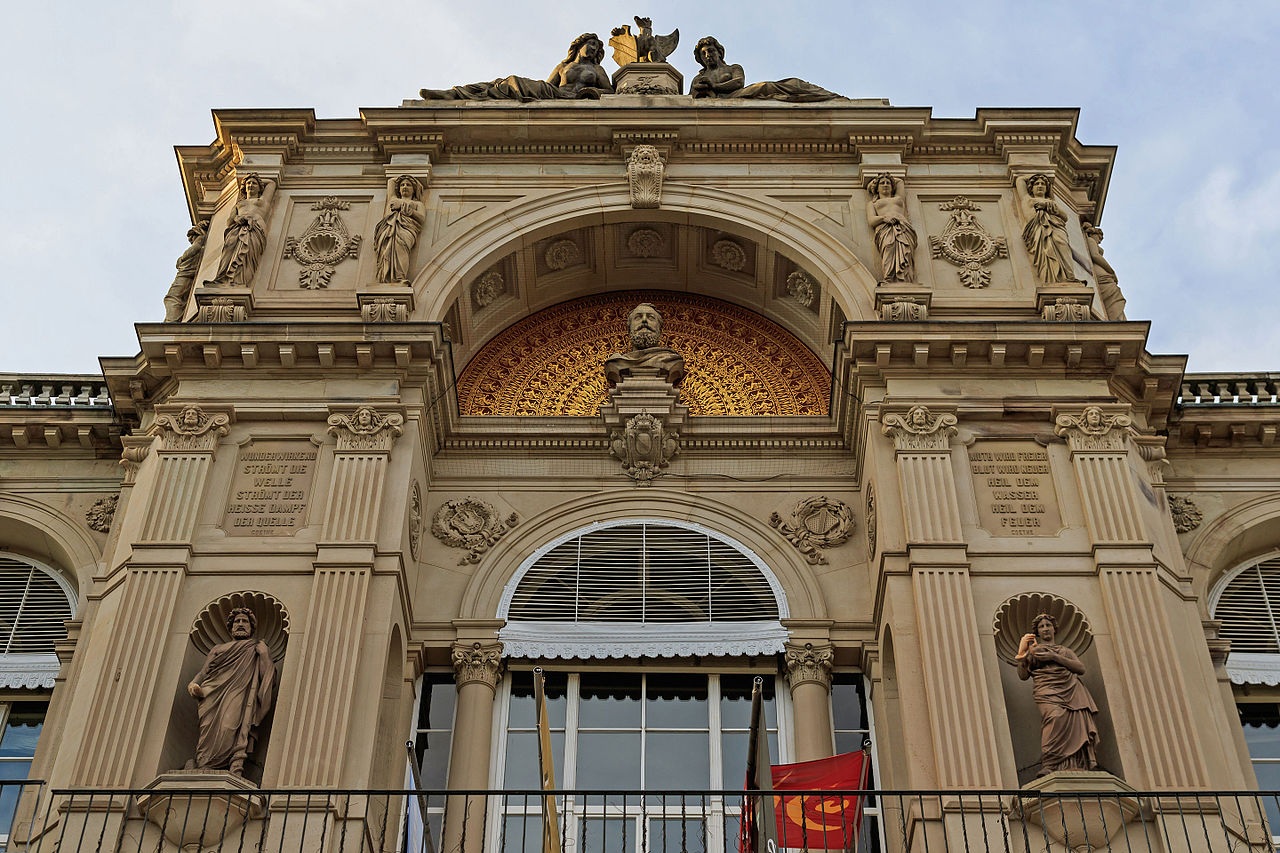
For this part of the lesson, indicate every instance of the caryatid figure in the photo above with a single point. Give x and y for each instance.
(188, 263)
(644, 324)
(246, 234)
(398, 230)
(895, 238)
(234, 690)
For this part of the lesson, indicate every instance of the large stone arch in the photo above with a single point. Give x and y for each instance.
(486, 240)
(37, 530)
(483, 593)
(1239, 534)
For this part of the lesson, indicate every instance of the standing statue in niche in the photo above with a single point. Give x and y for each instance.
(1045, 234)
(578, 76)
(234, 690)
(1108, 284)
(895, 238)
(398, 230)
(246, 233)
(188, 263)
(644, 324)
(1068, 731)
(720, 80)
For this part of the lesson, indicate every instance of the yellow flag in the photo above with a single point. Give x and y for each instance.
(547, 770)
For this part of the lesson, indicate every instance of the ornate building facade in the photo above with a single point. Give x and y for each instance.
(913, 416)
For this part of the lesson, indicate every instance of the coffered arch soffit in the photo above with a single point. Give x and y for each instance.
(483, 593)
(688, 212)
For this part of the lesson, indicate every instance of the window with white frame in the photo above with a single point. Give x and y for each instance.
(432, 740)
(20, 724)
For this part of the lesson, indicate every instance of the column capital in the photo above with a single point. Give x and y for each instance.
(808, 662)
(919, 428)
(363, 428)
(189, 428)
(477, 662)
(1093, 428)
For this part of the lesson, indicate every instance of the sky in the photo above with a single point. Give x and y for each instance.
(96, 95)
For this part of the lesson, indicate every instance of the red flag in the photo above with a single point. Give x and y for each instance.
(816, 822)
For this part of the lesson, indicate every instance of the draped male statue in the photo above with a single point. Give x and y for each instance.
(234, 691)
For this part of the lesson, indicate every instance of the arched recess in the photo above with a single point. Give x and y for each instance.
(32, 529)
(1239, 535)
(463, 254)
(483, 596)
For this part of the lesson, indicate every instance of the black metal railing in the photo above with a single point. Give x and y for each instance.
(244, 819)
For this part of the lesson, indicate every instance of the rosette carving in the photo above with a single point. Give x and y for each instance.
(102, 513)
(919, 429)
(1186, 515)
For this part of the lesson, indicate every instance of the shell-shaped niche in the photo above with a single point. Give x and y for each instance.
(1013, 619)
(210, 627)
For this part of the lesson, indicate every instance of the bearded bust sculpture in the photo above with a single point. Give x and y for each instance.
(644, 324)
(234, 690)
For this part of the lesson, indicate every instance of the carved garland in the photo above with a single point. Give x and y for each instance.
(415, 519)
(871, 520)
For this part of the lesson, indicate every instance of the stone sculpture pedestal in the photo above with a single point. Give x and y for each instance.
(195, 809)
(648, 78)
(644, 389)
(1083, 810)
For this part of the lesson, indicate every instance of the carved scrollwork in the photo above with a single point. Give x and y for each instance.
(1067, 310)
(365, 429)
(809, 663)
(384, 309)
(477, 663)
(324, 245)
(1186, 515)
(644, 176)
(816, 522)
(802, 288)
(472, 524)
(871, 520)
(1093, 429)
(904, 309)
(191, 428)
(102, 513)
(965, 243)
(131, 458)
(644, 447)
(562, 254)
(415, 519)
(919, 429)
(728, 255)
(223, 309)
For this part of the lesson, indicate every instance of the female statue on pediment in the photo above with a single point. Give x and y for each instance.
(717, 79)
(246, 234)
(1045, 234)
(580, 75)
(397, 232)
(895, 238)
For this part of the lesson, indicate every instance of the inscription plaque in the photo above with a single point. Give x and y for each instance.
(270, 489)
(1014, 486)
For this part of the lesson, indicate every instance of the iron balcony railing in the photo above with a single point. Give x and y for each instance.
(248, 820)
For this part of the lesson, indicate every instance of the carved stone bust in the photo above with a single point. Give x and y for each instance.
(644, 324)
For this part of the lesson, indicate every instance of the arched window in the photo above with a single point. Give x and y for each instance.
(642, 587)
(1247, 603)
(35, 603)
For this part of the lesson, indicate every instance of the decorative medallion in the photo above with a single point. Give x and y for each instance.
(562, 254)
(816, 522)
(871, 520)
(1093, 429)
(728, 255)
(965, 243)
(487, 288)
(102, 513)
(415, 519)
(645, 243)
(919, 429)
(801, 288)
(324, 244)
(736, 361)
(1186, 515)
(644, 447)
(644, 176)
(472, 524)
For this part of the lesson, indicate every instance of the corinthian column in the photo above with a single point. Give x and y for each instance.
(1167, 747)
(964, 742)
(477, 669)
(809, 675)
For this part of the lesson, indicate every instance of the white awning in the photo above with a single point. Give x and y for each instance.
(582, 640)
(28, 672)
(1246, 668)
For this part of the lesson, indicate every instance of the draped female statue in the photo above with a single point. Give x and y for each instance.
(398, 230)
(579, 75)
(895, 238)
(246, 232)
(1068, 733)
(720, 80)
(1045, 234)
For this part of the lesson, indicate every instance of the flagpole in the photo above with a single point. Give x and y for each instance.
(763, 830)
(546, 768)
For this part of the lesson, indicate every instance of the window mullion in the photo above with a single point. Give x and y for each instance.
(17, 617)
(1266, 605)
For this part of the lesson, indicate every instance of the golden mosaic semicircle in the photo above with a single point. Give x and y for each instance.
(737, 361)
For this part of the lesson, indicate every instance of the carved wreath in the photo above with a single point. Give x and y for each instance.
(472, 524)
(816, 522)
